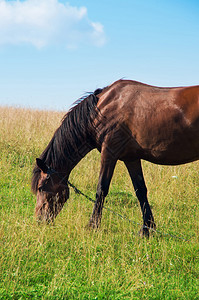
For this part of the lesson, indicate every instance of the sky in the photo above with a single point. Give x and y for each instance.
(53, 52)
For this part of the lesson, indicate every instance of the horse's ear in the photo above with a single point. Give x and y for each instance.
(41, 165)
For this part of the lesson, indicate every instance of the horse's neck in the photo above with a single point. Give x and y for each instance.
(80, 152)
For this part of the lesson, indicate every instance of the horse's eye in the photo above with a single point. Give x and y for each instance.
(48, 176)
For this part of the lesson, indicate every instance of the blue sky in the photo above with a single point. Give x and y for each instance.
(52, 52)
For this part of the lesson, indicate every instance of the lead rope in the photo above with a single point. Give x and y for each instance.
(78, 192)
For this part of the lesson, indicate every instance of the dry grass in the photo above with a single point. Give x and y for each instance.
(26, 127)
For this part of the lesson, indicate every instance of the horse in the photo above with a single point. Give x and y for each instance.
(127, 121)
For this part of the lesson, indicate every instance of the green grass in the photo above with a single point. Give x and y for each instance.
(67, 261)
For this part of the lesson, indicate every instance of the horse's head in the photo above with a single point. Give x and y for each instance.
(52, 192)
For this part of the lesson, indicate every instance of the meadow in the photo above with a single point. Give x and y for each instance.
(66, 260)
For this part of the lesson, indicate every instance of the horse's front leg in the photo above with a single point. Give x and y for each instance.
(106, 173)
(95, 219)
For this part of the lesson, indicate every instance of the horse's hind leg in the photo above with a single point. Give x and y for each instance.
(136, 174)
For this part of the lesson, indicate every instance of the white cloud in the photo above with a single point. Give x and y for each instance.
(45, 22)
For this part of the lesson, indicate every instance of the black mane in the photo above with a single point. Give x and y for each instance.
(73, 130)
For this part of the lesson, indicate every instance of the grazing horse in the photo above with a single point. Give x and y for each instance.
(126, 121)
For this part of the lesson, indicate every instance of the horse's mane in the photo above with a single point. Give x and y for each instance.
(74, 129)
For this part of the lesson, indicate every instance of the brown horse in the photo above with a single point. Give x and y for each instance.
(126, 121)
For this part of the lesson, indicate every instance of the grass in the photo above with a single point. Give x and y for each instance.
(65, 260)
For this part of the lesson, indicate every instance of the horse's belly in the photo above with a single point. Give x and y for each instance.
(177, 152)
(172, 150)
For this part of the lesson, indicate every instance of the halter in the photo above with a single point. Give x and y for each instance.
(51, 171)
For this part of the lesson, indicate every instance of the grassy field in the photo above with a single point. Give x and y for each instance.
(65, 260)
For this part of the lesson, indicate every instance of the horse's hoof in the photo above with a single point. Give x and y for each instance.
(147, 231)
(144, 232)
(91, 226)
